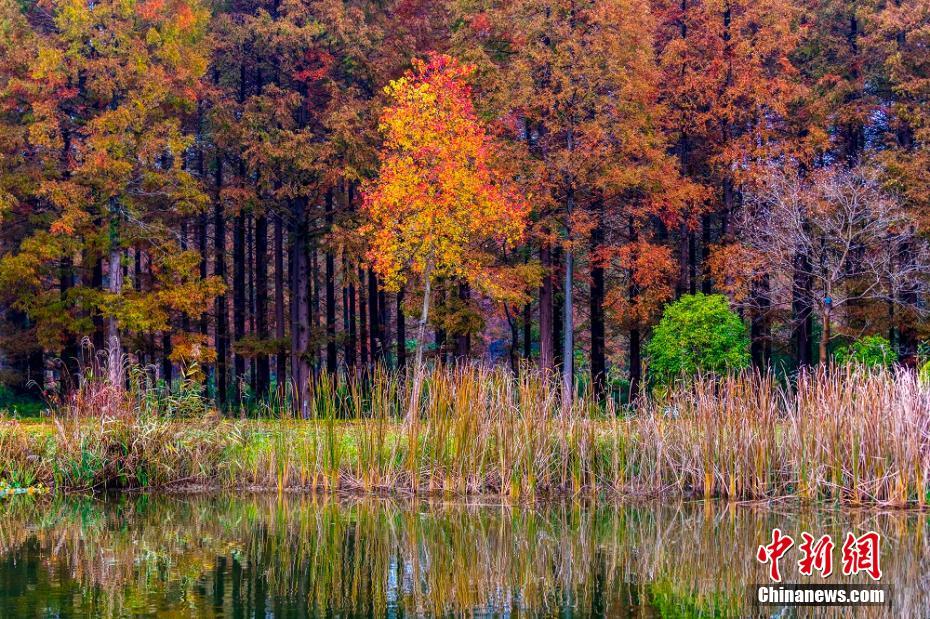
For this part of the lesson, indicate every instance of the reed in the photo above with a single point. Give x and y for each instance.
(847, 435)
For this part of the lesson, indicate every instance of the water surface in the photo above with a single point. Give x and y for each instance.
(299, 556)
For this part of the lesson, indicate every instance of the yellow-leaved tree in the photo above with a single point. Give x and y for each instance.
(439, 206)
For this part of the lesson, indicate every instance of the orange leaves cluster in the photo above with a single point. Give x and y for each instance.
(652, 271)
(438, 201)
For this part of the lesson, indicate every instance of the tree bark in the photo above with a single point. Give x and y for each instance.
(300, 314)
(636, 363)
(374, 318)
(250, 295)
(759, 324)
(635, 352)
(546, 356)
(115, 287)
(527, 330)
(362, 318)
(281, 360)
(557, 307)
(204, 251)
(401, 332)
(262, 377)
(683, 258)
(706, 281)
(219, 270)
(239, 300)
(383, 323)
(331, 360)
(801, 311)
(314, 330)
(351, 344)
(568, 341)
(167, 368)
(96, 282)
(824, 348)
(413, 411)
(463, 340)
(598, 354)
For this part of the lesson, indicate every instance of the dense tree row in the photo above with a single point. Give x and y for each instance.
(258, 191)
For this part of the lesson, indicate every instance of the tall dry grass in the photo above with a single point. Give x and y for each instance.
(848, 435)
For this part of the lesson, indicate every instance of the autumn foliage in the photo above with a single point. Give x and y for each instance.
(259, 192)
(438, 206)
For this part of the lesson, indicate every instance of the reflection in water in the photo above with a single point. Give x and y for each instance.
(263, 555)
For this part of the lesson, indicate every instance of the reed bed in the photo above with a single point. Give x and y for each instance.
(848, 435)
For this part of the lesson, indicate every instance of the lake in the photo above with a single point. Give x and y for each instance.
(263, 555)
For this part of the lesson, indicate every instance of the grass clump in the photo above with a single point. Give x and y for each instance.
(851, 435)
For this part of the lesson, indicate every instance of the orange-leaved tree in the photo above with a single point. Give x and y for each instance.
(438, 204)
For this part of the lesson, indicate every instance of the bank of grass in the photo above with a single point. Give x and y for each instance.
(851, 436)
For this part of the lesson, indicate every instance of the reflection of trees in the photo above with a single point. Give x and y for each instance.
(205, 555)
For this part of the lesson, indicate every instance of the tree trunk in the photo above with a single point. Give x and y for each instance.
(557, 303)
(280, 362)
(350, 324)
(801, 311)
(682, 285)
(527, 330)
(300, 314)
(759, 324)
(262, 377)
(202, 222)
(383, 322)
(166, 365)
(692, 263)
(401, 332)
(636, 363)
(314, 294)
(635, 352)
(568, 342)
(362, 318)
(330, 275)
(546, 356)
(825, 336)
(463, 340)
(374, 318)
(71, 351)
(96, 282)
(219, 270)
(250, 294)
(440, 335)
(413, 411)
(706, 281)
(114, 346)
(239, 301)
(514, 337)
(598, 354)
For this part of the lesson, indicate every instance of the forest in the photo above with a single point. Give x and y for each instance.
(251, 196)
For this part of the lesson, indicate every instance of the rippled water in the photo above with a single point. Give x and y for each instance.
(296, 556)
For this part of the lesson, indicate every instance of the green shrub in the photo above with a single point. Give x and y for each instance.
(697, 333)
(870, 351)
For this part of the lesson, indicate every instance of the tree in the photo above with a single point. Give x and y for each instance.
(860, 242)
(732, 94)
(437, 202)
(581, 79)
(697, 333)
(109, 89)
(870, 351)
